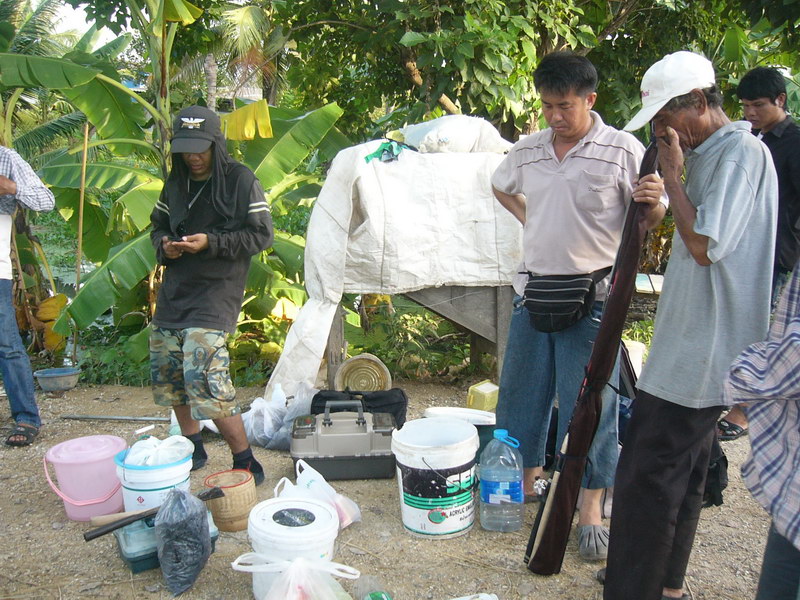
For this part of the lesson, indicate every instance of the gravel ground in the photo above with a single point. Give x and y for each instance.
(44, 555)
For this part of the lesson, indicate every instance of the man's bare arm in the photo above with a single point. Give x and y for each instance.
(513, 203)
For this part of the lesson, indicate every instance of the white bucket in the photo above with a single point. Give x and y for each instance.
(289, 528)
(146, 486)
(436, 475)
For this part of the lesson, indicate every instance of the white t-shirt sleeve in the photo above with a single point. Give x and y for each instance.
(506, 177)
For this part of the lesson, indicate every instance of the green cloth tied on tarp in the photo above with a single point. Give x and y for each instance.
(387, 151)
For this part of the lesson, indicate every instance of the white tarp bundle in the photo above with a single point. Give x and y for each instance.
(420, 221)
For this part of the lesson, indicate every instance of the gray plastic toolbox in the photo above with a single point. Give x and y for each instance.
(345, 445)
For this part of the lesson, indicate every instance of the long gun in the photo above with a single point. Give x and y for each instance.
(548, 541)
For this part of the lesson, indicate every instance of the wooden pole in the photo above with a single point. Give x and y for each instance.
(79, 250)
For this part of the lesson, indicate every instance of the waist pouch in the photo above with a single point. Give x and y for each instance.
(556, 302)
(393, 401)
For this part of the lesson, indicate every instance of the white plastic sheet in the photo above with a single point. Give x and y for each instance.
(423, 220)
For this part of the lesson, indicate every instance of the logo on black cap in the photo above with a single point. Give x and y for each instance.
(191, 122)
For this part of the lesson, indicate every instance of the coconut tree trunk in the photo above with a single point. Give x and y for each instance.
(210, 68)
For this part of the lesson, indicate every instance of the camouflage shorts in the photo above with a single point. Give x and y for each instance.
(190, 366)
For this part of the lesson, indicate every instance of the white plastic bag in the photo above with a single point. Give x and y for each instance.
(175, 428)
(152, 451)
(265, 417)
(269, 423)
(311, 484)
(300, 579)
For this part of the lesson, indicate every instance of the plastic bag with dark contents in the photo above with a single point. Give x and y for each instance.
(183, 540)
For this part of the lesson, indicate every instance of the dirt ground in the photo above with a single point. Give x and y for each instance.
(44, 555)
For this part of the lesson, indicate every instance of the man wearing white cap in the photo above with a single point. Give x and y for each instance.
(715, 301)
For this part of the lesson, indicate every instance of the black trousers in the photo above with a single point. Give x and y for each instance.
(658, 492)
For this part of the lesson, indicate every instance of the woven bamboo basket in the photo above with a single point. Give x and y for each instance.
(232, 510)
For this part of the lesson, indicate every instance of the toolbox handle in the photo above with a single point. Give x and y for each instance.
(342, 404)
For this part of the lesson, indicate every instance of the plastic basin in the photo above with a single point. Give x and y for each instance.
(57, 379)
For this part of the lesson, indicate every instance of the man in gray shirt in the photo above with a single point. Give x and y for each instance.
(715, 302)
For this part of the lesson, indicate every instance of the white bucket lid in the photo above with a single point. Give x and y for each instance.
(294, 520)
(470, 415)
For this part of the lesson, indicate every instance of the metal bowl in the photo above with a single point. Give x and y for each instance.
(57, 379)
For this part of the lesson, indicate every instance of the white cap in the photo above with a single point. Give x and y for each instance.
(674, 75)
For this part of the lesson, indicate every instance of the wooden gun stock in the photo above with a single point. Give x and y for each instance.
(88, 536)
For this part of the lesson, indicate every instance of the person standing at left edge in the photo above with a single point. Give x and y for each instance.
(18, 185)
(211, 218)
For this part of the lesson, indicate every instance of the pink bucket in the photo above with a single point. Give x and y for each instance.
(87, 475)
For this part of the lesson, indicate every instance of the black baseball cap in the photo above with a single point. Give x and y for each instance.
(194, 129)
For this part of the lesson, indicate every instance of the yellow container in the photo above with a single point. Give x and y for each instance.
(482, 396)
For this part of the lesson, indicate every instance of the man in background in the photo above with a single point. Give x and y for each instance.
(19, 186)
(762, 92)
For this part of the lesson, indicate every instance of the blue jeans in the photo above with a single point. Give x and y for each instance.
(780, 571)
(780, 278)
(15, 364)
(537, 368)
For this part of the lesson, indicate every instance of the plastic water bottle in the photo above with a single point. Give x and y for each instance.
(502, 505)
(369, 587)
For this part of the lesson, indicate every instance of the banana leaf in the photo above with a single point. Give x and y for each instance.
(273, 159)
(18, 70)
(66, 172)
(96, 244)
(136, 204)
(290, 250)
(125, 268)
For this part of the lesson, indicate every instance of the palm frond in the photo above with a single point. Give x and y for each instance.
(33, 142)
(35, 36)
(13, 11)
(246, 27)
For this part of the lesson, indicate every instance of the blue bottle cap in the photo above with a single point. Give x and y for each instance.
(502, 435)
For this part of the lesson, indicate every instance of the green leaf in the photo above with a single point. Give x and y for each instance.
(95, 243)
(529, 49)
(17, 70)
(481, 74)
(733, 42)
(412, 38)
(6, 35)
(113, 112)
(290, 249)
(137, 347)
(137, 203)
(128, 264)
(260, 275)
(288, 152)
(101, 175)
(466, 50)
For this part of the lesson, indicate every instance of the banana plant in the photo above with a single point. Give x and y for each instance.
(131, 262)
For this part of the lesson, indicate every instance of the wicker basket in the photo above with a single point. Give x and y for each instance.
(232, 510)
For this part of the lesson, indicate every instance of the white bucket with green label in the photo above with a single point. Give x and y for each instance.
(436, 475)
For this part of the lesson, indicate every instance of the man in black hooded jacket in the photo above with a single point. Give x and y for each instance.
(211, 218)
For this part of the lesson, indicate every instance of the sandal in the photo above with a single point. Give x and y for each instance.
(27, 432)
(593, 542)
(729, 431)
